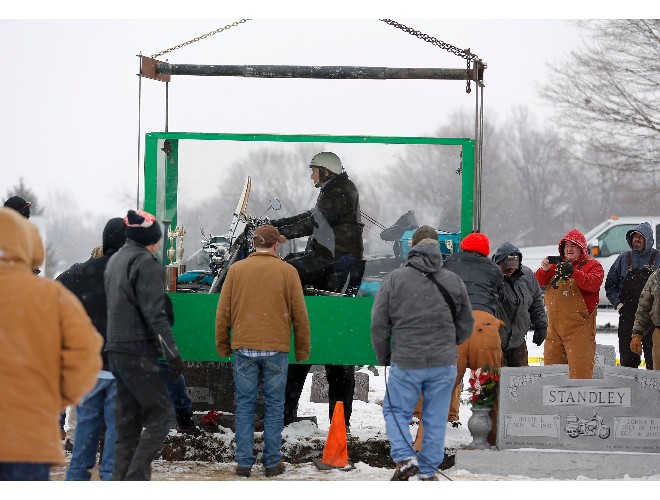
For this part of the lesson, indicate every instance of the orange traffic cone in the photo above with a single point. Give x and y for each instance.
(335, 453)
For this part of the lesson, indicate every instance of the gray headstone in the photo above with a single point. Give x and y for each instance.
(541, 407)
(605, 356)
(319, 393)
(210, 385)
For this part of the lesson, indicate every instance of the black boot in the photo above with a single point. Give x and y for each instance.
(185, 423)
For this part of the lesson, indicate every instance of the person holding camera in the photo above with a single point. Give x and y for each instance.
(522, 304)
(571, 297)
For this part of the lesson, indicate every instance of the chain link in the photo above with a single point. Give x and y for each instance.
(464, 53)
(197, 39)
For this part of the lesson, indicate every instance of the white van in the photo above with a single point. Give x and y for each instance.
(605, 242)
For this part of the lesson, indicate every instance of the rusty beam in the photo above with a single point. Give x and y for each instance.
(148, 69)
(316, 72)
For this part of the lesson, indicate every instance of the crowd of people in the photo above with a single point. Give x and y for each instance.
(99, 337)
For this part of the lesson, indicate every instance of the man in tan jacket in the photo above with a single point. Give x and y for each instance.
(260, 300)
(49, 354)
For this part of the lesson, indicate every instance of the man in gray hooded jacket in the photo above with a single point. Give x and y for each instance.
(420, 314)
(623, 286)
(523, 306)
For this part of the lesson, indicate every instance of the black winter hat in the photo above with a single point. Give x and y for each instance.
(113, 235)
(20, 205)
(142, 228)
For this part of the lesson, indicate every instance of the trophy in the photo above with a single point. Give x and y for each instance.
(174, 254)
(179, 252)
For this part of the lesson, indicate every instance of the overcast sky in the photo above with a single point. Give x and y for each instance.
(69, 91)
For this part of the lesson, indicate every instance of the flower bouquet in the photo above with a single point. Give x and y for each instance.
(210, 421)
(483, 386)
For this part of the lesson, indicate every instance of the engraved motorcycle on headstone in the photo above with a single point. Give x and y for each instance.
(576, 426)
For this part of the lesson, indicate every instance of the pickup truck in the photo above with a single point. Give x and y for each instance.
(605, 242)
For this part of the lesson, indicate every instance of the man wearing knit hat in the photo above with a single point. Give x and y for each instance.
(85, 280)
(571, 298)
(138, 334)
(20, 205)
(483, 280)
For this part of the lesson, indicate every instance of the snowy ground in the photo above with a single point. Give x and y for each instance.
(366, 422)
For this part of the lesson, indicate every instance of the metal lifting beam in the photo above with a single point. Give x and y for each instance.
(158, 70)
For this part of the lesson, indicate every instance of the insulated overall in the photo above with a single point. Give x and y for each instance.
(571, 329)
(483, 347)
(630, 289)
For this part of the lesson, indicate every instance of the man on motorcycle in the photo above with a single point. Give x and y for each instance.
(334, 227)
(334, 246)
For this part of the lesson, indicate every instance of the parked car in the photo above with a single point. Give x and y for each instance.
(605, 243)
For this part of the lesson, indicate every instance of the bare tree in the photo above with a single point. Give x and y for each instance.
(608, 95)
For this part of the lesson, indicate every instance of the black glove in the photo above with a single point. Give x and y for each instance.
(539, 336)
(566, 269)
(176, 368)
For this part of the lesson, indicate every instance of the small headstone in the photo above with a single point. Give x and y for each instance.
(541, 407)
(319, 393)
(605, 356)
(210, 385)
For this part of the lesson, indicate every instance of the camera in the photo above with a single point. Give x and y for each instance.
(554, 259)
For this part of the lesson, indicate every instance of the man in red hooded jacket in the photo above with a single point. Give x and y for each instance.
(571, 298)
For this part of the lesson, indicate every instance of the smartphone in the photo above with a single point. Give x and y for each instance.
(554, 259)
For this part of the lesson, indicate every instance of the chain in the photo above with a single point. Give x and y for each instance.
(197, 39)
(464, 53)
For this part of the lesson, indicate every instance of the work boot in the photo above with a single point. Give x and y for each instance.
(185, 423)
(243, 471)
(277, 470)
(405, 469)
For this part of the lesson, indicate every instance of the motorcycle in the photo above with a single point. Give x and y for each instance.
(238, 241)
(237, 244)
(576, 426)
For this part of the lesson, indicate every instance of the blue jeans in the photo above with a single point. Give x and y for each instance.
(97, 406)
(403, 390)
(246, 379)
(23, 471)
(176, 389)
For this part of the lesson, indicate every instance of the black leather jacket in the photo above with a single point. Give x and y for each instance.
(333, 224)
(134, 285)
(482, 278)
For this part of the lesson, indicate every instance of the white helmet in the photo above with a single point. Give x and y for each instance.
(327, 160)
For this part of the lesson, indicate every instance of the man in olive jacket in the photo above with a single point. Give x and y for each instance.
(260, 300)
(50, 354)
(647, 317)
(416, 324)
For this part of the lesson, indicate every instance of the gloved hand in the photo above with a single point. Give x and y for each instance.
(636, 343)
(539, 336)
(566, 268)
(176, 368)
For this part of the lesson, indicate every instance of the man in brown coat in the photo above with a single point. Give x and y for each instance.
(50, 354)
(260, 300)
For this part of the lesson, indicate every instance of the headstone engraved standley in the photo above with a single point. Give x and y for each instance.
(541, 407)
